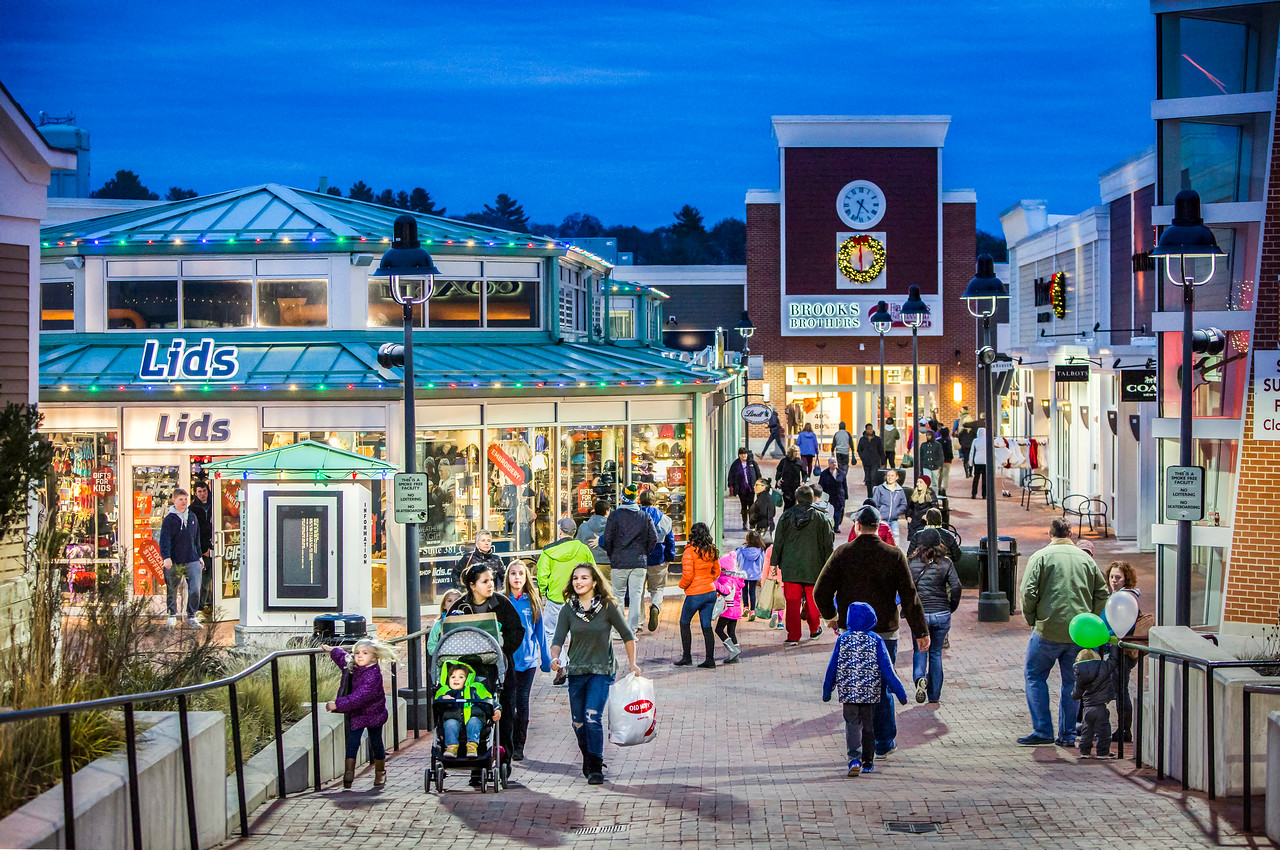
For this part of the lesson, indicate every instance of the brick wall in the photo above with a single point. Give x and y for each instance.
(1252, 594)
(764, 283)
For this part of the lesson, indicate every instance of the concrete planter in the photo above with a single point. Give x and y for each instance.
(102, 792)
(1228, 707)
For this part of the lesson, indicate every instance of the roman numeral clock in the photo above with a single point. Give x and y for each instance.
(860, 257)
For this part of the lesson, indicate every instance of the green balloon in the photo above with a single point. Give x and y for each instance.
(1088, 631)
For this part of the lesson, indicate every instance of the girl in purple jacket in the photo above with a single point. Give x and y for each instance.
(364, 703)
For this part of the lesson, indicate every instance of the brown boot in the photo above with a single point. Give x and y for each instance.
(379, 772)
(349, 775)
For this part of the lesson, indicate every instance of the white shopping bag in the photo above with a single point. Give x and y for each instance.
(633, 718)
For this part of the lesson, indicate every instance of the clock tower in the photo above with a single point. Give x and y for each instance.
(858, 217)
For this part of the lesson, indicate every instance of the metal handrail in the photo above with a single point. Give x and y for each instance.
(127, 702)
(1208, 667)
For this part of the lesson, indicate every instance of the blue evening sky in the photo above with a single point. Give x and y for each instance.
(626, 110)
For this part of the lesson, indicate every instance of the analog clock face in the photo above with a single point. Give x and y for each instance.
(861, 204)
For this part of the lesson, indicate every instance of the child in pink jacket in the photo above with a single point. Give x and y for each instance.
(729, 585)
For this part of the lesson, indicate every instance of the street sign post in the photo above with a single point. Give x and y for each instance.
(1184, 494)
(409, 496)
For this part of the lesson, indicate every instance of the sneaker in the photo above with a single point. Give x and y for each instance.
(855, 767)
(922, 689)
(451, 751)
(946, 642)
(562, 678)
(791, 643)
(773, 620)
(893, 745)
(653, 617)
(473, 749)
(817, 634)
(193, 622)
(1069, 743)
(868, 767)
(173, 621)
(1106, 755)
(751, 618)
(1034, 740)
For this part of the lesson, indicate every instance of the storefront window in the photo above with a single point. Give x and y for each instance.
(384, 311)
(1208, 572)
(590, 457)
(1216, 158)
(825, 396)
(57, 306)
(511, 304)
(153, 487)
(451, 461)
(1219, 459)
(82, 498)
(622, 317)
(455, 304)
(1219, 381)
(293, 303)
(142, 304)
(660, 461)
(519, 491)
(371, 444)
(217, 303)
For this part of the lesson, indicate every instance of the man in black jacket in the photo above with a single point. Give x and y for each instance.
(741, 481)
(482, 554)
(202, 507)
(180, 548)
(791, 474)
(629, 537)
(871, 571)
(832, 482)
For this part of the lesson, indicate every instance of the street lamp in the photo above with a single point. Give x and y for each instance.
(982, 297)
(1186, 239)
(746, 330)
(410, 273)
(914, 312)
(882, 321)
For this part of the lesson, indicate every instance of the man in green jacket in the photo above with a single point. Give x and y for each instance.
(801, 547)
(1060, 582)
(555, 567)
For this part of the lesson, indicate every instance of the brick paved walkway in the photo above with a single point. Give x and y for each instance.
(750, 755)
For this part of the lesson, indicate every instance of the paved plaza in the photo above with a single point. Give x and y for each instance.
(750, 755)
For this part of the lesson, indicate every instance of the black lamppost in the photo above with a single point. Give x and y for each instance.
(1186, 239)
(982, 298)
(882, 321)
(914, 312)
(746, 330)
(410, 273)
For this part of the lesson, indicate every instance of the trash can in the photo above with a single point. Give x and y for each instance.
(339, 629)
(944, 505)
(1006, 568)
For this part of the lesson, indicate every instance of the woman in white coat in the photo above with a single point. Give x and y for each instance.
(978, 460)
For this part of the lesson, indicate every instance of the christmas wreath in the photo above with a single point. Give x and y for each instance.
(1058, 294)
(861, 242)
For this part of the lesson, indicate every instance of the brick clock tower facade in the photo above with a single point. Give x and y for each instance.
(859, 216)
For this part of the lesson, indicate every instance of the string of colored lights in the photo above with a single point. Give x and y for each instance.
(453, 385)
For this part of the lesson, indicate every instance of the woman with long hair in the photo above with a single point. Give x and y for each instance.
(589, 615)
(479, 597)
(938, 585)
(1122, 576)
(701, 568)
(532, 656)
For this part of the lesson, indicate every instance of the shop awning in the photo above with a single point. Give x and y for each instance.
(102, 366)
(305, 460)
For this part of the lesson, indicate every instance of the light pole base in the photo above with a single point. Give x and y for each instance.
(423, 720)
(993, 607)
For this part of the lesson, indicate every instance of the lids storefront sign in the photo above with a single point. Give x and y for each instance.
(174, 428)
(180, 362)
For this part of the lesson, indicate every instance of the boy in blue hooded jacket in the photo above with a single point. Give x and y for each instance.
(860, 670)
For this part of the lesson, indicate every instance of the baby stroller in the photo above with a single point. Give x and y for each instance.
(483, 653)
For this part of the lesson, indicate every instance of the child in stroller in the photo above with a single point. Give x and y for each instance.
(463, 707)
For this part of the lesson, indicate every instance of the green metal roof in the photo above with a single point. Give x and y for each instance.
(274, 217)
(307, 459)
(109, 364)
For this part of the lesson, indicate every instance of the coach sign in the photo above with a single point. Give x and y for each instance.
(1138, 385)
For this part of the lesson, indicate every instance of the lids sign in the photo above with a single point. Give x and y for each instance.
(756, 414)
(177, 362)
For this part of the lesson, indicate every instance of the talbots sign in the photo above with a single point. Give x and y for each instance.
(182, 362)
(207, 428)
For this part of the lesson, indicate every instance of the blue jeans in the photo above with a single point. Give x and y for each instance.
(377, 747)
(939, 625)
(886, 724)
(452, 726)
(588, 694)
(1041, 656)
(194, 571)
(701, 604)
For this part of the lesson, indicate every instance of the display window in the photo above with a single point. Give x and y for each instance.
(660, 461)
(519, 490)
(451, 462)
(590, 457)
(82, 498)
(825, 396)
(153, 486)
(368, 443)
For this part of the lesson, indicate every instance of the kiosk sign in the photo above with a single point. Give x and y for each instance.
(409, 494)
(1184, 493)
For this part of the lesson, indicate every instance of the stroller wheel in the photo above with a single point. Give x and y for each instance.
(504, 771)
(426, 780)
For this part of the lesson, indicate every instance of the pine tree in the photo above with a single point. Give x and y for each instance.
(420, 202)
(126, 186)
(177, 194)
(333, 190)
(360, 192)
(386, 198)
(402, 199)
(506, 213)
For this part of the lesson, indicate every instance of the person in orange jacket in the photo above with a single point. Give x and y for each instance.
(701, 568)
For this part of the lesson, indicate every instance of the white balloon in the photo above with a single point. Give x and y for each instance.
(1122, 612)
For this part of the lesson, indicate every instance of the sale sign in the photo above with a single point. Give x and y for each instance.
(506, 464)
(148, 565)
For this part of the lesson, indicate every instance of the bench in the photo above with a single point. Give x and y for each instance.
(1036, 484)
(1085, 508)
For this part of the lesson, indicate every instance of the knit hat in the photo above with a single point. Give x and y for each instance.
(927, 480)
(567, 525)
(629, 492)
